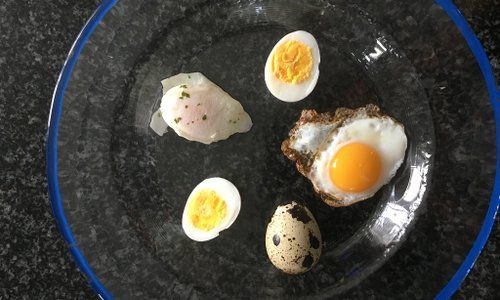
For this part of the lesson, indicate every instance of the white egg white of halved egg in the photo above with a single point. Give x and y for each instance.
(383, 134)
(289, 92)
(228, 193)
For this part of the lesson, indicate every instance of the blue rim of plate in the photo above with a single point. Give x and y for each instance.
(55, 115)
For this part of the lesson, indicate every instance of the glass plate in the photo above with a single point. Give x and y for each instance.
(120, 189)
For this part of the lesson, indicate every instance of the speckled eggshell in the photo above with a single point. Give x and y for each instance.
(293, 239)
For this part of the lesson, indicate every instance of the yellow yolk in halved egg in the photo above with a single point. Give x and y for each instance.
(355, 167)
(292, 62)
(207, 210)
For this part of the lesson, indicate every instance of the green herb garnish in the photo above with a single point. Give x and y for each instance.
(204, 117)
(184, 94)
(184, 86)
(177, 120)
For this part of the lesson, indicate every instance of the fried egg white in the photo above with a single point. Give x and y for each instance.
(358, 158)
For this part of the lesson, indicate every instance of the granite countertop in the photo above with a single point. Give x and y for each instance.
(34, 40)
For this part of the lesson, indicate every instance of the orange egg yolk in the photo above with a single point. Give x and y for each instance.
(207, 210)
(292, 62)
(355, 167)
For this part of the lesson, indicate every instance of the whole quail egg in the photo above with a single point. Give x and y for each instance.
(293, 239)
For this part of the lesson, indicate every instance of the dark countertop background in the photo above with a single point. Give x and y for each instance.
(35, 37)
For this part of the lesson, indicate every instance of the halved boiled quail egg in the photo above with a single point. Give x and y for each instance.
(292, 68)
(211, 207)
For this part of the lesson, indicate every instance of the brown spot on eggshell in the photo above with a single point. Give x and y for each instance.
(308, 261)
(276, 240)
(299, 212)
(313, 241)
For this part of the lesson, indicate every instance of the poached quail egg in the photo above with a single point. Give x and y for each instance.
(198, 110)
(292, 68)
(212, 207)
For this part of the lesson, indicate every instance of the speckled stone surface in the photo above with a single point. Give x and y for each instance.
(482, 282)
(34, 263)
(34, 40)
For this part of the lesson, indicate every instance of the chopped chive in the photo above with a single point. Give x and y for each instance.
(204, 117)
(184, 86)
(159, 114)
(184, 94)
(189, 76)
(177, 120)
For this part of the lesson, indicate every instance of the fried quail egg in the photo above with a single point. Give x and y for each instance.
(212, 207)
(292, 68)
(360, 153)
(359, 158)
(293, 239)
